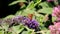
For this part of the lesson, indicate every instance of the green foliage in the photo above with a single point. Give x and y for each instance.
(31, 8)
(9, 16)
(1, 32)
(26, 12)
(17, 29)
(15, 2)
(48, 32)
(18, 12)
(27, 32)
(44, 5)
(53, 19)
(46, 10)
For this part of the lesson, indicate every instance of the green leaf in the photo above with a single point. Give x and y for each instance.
(0, 28)
(1, 32)
(27, 32)
(9, 32)
(44, 4)
(48, 32)
(36, 1)
(44, 32)
(30, 6)
(15, 2)
(39, 17)
(30, 11)
(28, 29)
(9, 16)
(26, 12)
(5, 26)
(17, 28)
(46, 10)
(18, 12)
(53, 19)
(23, 6)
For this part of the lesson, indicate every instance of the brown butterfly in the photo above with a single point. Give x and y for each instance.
(21, 3)
(30, 16)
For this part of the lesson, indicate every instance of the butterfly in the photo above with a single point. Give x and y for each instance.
(30, 16)
(21, 3)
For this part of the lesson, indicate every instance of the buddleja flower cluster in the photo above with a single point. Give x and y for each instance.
(55, 29)
(56, 12)
(33, 24)
(50, 0)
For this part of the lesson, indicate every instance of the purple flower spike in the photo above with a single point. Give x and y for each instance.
(18, 19)
(33, 24)
(25, 21)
